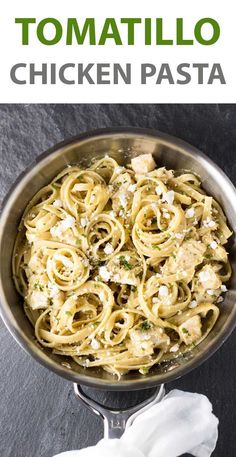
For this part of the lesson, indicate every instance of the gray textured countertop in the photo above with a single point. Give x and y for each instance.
(39, 414)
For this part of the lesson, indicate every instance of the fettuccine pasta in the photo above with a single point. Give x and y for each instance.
(122, 267)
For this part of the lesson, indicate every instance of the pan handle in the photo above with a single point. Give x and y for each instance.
(115, 421)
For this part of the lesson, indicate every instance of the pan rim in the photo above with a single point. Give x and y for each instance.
(37, 353)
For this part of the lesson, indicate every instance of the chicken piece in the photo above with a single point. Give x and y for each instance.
(220, 254)
(147, 337)
(208, 278)
(190, 330)
(143, 164)
(125, 277)
(37, 300)
(38, 297)
(216, 250)
(189, 255)
(35, 264)
(208, 285)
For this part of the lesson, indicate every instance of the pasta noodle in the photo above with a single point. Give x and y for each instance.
(122, 267)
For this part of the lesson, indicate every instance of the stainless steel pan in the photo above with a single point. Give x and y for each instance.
(122, 144)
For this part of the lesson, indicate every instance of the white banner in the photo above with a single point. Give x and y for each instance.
(171, 52)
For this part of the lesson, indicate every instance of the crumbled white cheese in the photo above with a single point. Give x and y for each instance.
(116, 278)
(210, 292)
(85, 262)
(102, 295)
(208, 223)
(56, 231)
(68, 222)
(163, 291)
(169, 197)
(179, 236)
(224, 288)
(119, 169)
(174, 348)
(192, 304)
(219, 300)
(132, 188)
(123, 201)
(54, 290)
(57, 203)
(104, 273)
(158, 190)
(204, 276)
(213, 245)
(108, 249)
(190, 213)
(112, 214)
(166, 215)
(95, 344)
(62, 226)
(211, 224)
(84, 221)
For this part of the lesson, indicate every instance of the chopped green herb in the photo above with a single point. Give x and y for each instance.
(144, 370)
(133, 288)
(155, 246)
(95, 324)
(38, 286)
(144, 326)
(68, 313)
(124, 263)
(174, 256)
(116, 185)
(184, 330)
(154, 220)
(208, 256)
(78, 242)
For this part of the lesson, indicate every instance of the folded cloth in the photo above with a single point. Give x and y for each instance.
(181, 423)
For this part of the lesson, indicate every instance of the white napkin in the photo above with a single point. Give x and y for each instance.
(181, 423)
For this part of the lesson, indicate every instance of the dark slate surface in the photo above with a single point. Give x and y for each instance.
(39, 414)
